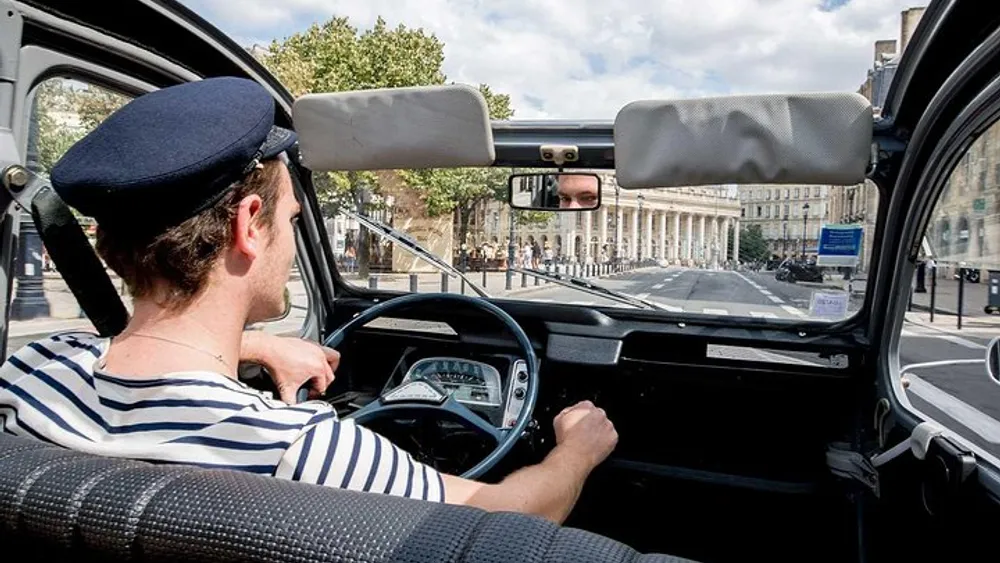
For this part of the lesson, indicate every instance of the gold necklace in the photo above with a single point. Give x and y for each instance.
(218, 357)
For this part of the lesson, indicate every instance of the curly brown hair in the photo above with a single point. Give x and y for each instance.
(181, 257)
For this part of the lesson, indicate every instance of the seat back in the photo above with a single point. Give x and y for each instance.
(61, 505)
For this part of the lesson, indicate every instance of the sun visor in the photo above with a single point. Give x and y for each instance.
(762, 139)
(393, 128)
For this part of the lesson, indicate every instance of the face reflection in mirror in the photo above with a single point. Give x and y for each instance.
(577, 191)
(555, 191)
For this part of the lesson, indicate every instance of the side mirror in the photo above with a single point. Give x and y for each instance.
(993, 360)
(561, 191)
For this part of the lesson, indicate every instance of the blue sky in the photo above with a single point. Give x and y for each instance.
(587, 58)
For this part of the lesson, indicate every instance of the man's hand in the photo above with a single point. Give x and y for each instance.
(585, 430)
(292, 362)
(584, 436)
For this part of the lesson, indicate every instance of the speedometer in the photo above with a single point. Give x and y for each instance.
(467, 381)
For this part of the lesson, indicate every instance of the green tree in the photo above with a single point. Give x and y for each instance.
(753, 247)
(461, 191)
(65, 111)
(335, 56)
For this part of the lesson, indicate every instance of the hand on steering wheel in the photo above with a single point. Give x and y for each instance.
(420, 396)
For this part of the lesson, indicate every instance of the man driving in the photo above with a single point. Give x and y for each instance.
(195, 210)
(577, 191)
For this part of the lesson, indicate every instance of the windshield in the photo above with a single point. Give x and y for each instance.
(706, 250)
(745, 251)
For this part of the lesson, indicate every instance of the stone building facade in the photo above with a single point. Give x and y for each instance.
(689, 226)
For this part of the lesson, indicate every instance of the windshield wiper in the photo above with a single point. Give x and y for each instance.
(410, 245)
(591, 287)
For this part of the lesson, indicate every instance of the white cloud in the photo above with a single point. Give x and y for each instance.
(587, 58)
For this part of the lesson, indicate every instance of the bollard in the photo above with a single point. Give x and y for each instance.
(933, 289)
(961, 295)
(921, 275)
(538, 280)
(414, 283)
(372, 282)
(444, 282)
(484, 277)
(524, 279)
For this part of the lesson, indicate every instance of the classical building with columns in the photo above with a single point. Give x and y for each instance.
(691, 226)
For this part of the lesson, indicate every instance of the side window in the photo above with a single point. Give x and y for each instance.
(955, 304)
(62, 112)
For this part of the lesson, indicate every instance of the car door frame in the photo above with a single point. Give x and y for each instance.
(945, 94)
(26, 65)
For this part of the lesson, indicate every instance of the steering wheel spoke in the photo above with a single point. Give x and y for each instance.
(471, 419)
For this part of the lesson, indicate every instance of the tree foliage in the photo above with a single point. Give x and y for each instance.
(753, 247)
(335, 56)
(65, 111)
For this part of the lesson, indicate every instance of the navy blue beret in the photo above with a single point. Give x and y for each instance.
(168, 155)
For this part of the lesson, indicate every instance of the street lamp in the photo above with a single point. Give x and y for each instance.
(617, 213)
(30, 302)
(638, 248)
(805, 222)
(784, 237)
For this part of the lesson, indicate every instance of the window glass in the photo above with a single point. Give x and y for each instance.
(666, 239)
(955, 308)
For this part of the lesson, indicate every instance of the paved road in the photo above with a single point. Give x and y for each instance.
(709, 292)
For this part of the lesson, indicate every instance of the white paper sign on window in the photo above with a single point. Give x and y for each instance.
(829, 304)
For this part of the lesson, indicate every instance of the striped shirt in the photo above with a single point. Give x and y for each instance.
(53, 390)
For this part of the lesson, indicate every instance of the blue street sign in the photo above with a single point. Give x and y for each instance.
(839, 245)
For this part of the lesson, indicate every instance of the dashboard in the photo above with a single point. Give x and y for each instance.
(494, 387)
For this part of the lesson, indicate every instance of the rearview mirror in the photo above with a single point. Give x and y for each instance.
(993, 360)
(558, 191)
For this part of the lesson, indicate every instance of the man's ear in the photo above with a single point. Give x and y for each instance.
(249, 236)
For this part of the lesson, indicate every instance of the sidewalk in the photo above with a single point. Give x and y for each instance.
(65, 314)
(985, 327)
(975, 297)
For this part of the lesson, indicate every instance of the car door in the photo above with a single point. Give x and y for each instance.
(934, 427)
(63, 69)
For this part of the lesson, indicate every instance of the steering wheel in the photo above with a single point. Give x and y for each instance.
(420, 396)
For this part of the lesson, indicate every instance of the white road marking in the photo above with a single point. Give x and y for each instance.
(765, 292)
(775, 299)
(972, 418)
(793, 310)
(932, 332)
(642, 295)
(763, 314)
(671, 308)
(581, 302)
(658, 286)
(709, 311)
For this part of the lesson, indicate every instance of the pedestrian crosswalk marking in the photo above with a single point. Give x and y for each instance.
(642, 295)
(581, 302)
(793, 310)
(763, 314)
(658, 286)
(710, 311)
(775, 299)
